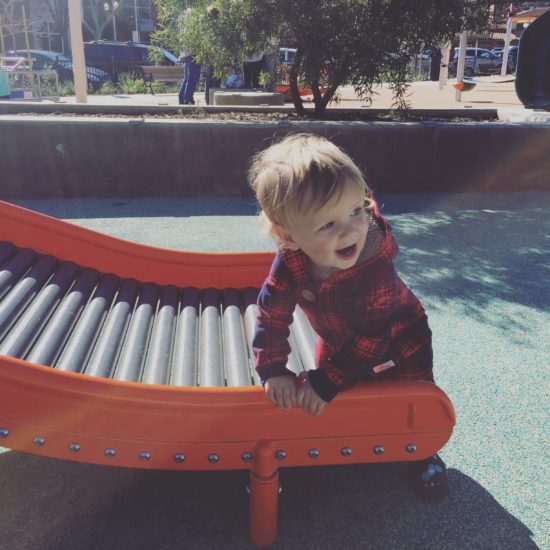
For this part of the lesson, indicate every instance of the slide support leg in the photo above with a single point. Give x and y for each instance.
(264, 495)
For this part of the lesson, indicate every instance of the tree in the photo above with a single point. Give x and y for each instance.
(360, 42)
(11, 20)
(58, 11)
(97, 14)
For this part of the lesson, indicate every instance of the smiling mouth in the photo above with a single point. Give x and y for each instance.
(347, 252)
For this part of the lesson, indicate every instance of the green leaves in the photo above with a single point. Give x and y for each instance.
(361, 42)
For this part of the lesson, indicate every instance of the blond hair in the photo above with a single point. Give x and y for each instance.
(300, 173)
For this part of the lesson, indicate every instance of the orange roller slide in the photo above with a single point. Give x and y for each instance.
(164, 379)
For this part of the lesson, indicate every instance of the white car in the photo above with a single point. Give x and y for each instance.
(479, 61)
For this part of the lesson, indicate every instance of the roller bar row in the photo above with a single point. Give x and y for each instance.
(75, 319)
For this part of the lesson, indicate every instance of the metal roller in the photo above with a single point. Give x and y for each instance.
(294, 363)
(30, 323)
(210, 356)
(134, 349)
(14, 269)
(250, 297)
(73, 357)
(237, 362)
(109, 341)
(56, 332)
(15, 302)
(184, 366)
(159, 355)
(304, 338)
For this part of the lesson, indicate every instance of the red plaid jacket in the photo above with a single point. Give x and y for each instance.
(364, 316)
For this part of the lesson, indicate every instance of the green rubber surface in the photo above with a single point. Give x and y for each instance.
(481, 265)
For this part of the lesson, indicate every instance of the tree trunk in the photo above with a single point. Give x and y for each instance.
(321, 101)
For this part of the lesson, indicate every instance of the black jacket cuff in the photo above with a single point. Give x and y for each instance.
(322, 384)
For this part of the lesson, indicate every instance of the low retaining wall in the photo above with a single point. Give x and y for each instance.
(45, 157)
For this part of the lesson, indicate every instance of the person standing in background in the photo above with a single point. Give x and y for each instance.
(252, 66)
(192, 73)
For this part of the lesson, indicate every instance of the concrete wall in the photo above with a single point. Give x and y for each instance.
(43, 157)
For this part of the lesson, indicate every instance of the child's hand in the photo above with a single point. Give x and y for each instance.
(281, 391)
(308, 398)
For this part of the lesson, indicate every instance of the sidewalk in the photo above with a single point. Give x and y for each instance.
(489, 93)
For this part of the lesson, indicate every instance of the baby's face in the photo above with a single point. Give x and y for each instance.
(334, 236)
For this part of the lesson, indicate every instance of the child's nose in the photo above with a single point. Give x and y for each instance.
(348, 229)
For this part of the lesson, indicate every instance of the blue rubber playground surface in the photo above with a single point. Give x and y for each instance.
(481, 265)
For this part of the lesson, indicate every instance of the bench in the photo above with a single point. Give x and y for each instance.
(162, 73)
(121, 354)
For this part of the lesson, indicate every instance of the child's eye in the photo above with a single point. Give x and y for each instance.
(357, 211)
(327, 226)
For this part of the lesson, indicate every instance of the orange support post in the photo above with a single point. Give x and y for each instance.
(264, 495)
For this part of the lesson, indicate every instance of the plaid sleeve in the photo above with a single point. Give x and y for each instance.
(276, 303)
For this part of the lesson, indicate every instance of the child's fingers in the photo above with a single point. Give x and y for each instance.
(300, 397)
(270, 391)
(281, 393)
(290, 395)
(310, 402)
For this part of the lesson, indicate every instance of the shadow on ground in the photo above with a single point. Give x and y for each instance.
(52, 504)
(474, 250)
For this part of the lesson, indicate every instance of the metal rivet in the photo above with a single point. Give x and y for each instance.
(38, 441)
(179, 457)
(213, 458)
(411, 448)
(246, 456)
(110, 453)
(378, 450)
(74, 447)
(145, 456)
(280, 455)
(346, 451)
(314, 453)
(4, 433)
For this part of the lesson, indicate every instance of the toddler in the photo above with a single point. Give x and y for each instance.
(335, 260)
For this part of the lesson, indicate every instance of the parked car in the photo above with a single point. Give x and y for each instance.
(512, 54)
(479, 61)
(124, 57)
(45, 59)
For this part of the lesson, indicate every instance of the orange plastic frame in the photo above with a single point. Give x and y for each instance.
(103, 421)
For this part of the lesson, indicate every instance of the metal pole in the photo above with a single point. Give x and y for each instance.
(33, 84)
(136, 20)
(77, 47)
(2, 34)
(507, 38)
(461, 62)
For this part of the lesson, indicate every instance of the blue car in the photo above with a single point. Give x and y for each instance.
(44, 59)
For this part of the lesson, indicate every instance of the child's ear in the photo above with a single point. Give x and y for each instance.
(285, 237)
